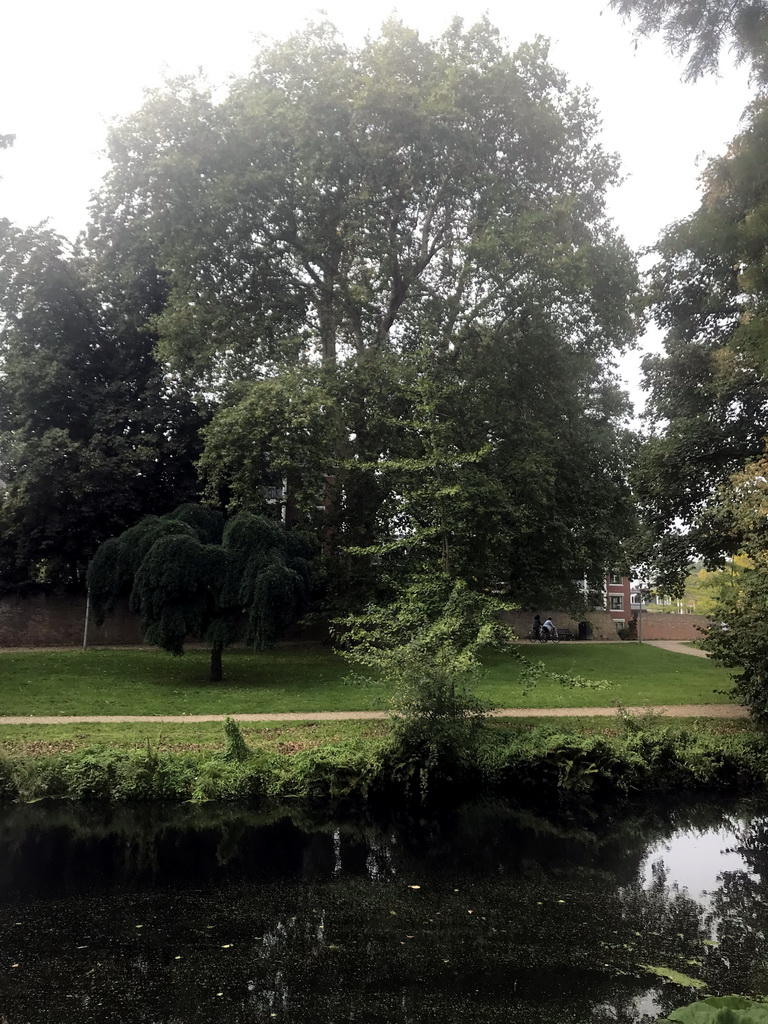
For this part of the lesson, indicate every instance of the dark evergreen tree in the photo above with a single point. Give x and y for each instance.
(190, 575)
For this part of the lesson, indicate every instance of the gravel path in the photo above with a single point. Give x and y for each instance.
(673, 710)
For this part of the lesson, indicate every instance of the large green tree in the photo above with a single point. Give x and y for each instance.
(92, 434)
(388, 260)
(708, 403)
(190, 575)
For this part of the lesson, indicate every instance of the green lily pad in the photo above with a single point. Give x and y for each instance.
(720, 1010)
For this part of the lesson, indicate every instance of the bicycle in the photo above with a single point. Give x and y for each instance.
(538, 635)
(545, 636)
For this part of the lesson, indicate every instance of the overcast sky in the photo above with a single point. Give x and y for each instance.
(68, 68)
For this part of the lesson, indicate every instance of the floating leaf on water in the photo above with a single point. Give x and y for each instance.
(710, 942)
(415, 887)
(138, 926)
(561, 901)
(14, 965)
(227, 945)
(393, 912)
(177, 958)
(674, 976)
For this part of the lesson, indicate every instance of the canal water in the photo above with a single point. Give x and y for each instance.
(221, 915)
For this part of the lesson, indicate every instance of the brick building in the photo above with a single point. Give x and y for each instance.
(622, 599)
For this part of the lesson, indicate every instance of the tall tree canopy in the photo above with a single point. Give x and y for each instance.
(702, 29)
(190, 575)
(92, 436)
(709, 389)
(385, 258)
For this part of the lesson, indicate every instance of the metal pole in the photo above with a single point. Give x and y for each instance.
(87, 613)
(640, 617)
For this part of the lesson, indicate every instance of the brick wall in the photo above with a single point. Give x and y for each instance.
(45, 620)
(660, 626)
(57, 621)
(602, 623)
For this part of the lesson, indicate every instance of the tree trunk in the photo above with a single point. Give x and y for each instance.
(216, 673)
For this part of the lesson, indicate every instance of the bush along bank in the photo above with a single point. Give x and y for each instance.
(412, 765)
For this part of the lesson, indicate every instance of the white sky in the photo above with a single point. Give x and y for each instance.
(66, 69)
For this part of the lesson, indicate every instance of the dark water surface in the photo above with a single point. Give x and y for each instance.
(487, 914)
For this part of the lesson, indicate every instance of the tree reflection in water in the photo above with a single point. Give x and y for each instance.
(485, 914)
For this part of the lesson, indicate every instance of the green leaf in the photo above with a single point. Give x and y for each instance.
(675, 976)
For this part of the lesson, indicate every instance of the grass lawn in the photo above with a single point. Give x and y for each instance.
(302, 679)
(285, 737)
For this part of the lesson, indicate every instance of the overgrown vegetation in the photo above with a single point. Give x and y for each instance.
(366, 766)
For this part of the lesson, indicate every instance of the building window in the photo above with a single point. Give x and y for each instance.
(634, 599)
(617, 602)
(614, 579)
(619, 623)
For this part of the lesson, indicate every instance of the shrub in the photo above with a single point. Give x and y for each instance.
(237, 749)
(344, 771)
(9, 789)
(221, 779)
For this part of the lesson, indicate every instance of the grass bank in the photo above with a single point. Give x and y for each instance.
(300, 679)
(367, 763)
(287, 738)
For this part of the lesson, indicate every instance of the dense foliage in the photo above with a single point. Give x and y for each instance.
(190, 575)
(92, 435)
(393, 267)
(739, 637)
(708, 400)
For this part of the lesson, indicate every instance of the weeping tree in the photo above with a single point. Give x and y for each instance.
(190, 574)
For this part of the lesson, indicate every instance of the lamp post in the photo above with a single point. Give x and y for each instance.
(87, 614)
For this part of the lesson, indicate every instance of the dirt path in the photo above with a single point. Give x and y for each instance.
(672, 710)
(678, 647)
